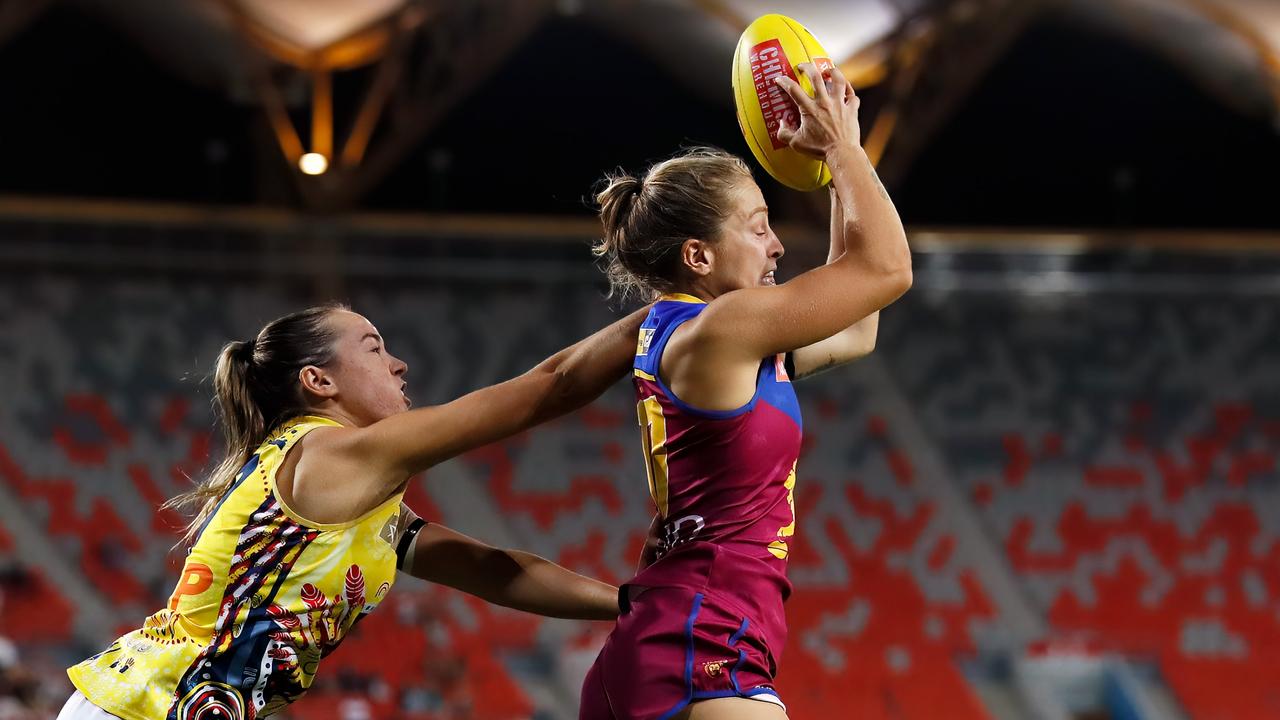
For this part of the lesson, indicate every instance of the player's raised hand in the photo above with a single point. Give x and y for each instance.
(829, 119)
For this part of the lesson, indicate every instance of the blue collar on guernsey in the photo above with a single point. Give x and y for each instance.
(670, 312)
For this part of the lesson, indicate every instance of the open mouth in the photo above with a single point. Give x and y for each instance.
(768, 279)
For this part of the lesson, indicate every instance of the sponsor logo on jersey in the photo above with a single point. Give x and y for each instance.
(646, 339)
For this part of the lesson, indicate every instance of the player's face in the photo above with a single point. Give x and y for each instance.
(746, 252)
(369, 379)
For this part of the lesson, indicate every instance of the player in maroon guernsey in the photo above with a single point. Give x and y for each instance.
(702, 625)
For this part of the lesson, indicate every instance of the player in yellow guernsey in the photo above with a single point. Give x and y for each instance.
(301, 530)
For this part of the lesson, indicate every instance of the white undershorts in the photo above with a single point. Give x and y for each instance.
(78, 707)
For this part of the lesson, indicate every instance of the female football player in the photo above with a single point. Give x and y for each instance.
(300, 531)
(702, 624)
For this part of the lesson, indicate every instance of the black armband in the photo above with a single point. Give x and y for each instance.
(404, 549)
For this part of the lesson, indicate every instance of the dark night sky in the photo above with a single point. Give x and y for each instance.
(1071, 128)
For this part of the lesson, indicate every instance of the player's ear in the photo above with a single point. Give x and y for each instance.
(317, 382)
(697, 255)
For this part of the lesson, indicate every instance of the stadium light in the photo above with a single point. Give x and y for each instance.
(313, 163)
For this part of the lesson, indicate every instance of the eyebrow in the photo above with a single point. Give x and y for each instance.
(761, 209)
(375, 336)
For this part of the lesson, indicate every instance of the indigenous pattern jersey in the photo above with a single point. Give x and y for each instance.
(263, 597)
(721, 477)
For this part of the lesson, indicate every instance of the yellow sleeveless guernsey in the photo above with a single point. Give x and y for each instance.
(264, 595)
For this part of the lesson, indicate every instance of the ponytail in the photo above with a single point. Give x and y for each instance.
(255, 388)
(243, 426)
(617, 201)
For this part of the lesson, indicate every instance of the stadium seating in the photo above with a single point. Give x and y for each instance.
(1124, 452)
(1121, 451)
(31, 609)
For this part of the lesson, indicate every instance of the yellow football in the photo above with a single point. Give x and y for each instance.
(773, 45)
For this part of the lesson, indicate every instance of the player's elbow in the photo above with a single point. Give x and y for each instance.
(866, 345)
(902, 278)
(898, 265)
(881, 251)
(892, 283)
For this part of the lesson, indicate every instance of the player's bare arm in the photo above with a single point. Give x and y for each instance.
(343, 472)
(511, 578)
(743, 326)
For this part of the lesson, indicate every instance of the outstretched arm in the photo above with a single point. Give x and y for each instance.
(414, 441)
(511, 578)
(349, 471)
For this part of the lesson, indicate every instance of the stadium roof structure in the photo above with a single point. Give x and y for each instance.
(418, 59)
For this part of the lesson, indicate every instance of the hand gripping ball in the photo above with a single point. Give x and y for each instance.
(773, 45)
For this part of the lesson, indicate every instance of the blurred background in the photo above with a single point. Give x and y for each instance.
(1052, 492)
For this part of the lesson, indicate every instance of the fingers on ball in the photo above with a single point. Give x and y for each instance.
(797, 93)
(816, 79)
(837, 77)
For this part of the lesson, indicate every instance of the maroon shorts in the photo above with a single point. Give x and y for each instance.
(672, 647)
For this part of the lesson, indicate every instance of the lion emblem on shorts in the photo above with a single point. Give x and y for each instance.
(714, 668)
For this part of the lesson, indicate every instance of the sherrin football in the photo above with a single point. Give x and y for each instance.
(773, 45)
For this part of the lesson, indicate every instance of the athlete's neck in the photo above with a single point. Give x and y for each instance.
(336, 413)
(701, 290)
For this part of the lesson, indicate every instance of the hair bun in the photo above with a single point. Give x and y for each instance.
(646, 221)
(243, 350)
(616, 201)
